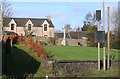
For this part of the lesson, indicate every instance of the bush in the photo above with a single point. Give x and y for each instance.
(115, 45)
(90, 36)
(20, 39)
(5, 39)
(50, 56)
(36, 47)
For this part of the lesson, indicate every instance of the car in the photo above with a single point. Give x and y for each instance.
(9, 33)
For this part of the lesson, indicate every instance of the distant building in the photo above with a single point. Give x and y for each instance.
(74, 35)
(40, 27)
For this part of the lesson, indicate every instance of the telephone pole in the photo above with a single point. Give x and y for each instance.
(98, 48)
(104, 42)
(108, 39)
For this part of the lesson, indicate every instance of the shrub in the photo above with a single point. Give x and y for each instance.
(20, 39)
(50, 56)
(29, 41)
(115, 45)
(90, 36)
(5, 39)
(36, 47)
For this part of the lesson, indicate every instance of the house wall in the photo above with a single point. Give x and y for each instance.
(20, 30)
(50, 32)
(6, 28)
(38, 30)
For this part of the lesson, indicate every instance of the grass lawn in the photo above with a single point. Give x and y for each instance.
(102, 73)
(79, 53)
(24, 61)
(21, 62)
(93, 74)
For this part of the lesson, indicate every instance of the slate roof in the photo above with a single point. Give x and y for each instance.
(22, 21)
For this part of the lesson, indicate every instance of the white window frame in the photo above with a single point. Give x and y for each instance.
(29, 22)
(15, 25)
(45, 22)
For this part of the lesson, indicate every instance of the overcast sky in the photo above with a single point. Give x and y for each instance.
(61, 12)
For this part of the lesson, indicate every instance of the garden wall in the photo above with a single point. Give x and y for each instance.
(72, 67)
(43, 39)
(73, 42)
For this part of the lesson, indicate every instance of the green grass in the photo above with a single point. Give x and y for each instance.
(22, 61)
(92, 74)
(95, 73)
(79, 53)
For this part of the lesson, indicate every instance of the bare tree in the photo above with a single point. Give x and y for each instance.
(6, 10)
(115, 30)
(90, 19)
(114, 21)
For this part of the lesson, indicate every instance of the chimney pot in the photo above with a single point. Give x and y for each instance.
(49, 17)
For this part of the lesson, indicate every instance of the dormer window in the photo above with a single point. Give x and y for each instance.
(45, 27)
(29, 26)
(12, 26)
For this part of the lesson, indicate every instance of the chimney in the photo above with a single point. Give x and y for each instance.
(49, 17)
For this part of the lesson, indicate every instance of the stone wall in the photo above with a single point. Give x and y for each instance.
(115, 64)
(73, 42)
(43, 39)
(72, 67)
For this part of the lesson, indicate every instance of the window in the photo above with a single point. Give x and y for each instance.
(45, 27)
(12, 26)
(29, 26)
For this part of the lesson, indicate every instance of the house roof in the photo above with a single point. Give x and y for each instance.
(22, 21)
